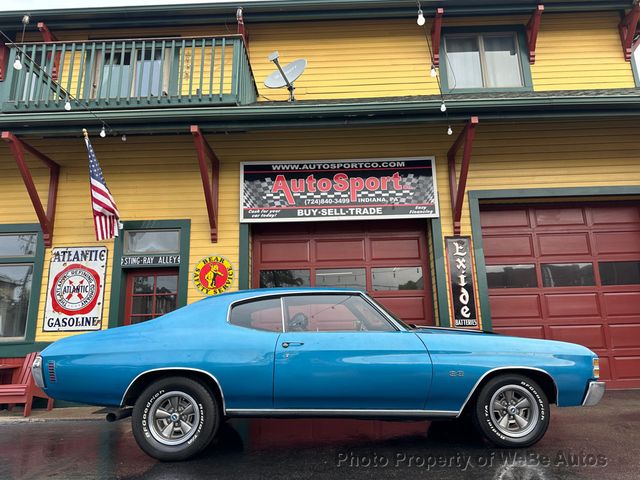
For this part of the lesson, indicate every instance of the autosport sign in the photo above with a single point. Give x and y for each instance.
(338, 190)
(75, 290)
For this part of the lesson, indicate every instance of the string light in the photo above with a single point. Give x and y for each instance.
(103, 132)
(124, 137)
(421, 20)
(449, 130)
(443, 107)
(17, 64)
(434, 73)
(67, 105)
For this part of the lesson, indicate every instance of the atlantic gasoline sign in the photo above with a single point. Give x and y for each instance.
(75, 289)
(338, 190)
(213, 275)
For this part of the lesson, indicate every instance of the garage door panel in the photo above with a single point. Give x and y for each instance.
(625, 335)
(528, 332)
(605, 366)
(591, 336)
(559, 216)
(515, 306)
(622, 304)
(410, 309)
(395, 248)
(564, 244)
(617, 242)
(572, 305)
(604, 215)
(284, 251)
(331, 250)
(627, 368)
(505, 218)
(508, 246)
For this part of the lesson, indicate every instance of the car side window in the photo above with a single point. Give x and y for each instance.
(263, 315)
(333, 313)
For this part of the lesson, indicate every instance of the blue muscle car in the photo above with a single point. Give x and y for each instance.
(311, 352)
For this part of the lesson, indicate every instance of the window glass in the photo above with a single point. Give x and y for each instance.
(116, 75)
(333, 313)
(567, 274)
(15, 289)
(620, 273)
(502, 64)
(259, 315)
(23, 245)
(284, 278)
(151, 242)
(341, 277)
(463, 62)
(397, 278)
(511, 276)
(148, 69)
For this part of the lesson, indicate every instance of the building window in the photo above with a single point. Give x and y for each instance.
(488, 60)
(20, 271)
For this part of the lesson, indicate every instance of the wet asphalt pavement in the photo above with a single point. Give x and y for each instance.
(601, 442)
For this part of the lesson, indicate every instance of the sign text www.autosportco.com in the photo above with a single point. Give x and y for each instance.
(338, 190)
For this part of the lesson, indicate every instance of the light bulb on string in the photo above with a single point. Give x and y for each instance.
(67, 105)
(421, 20)
(17, 64)
(449, 130)
(124, 137)
(443, 107)
(433, 71)
(103, 132)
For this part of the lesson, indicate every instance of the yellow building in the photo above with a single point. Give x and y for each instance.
(507, 131)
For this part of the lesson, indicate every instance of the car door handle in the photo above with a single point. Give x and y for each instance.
(292, 344)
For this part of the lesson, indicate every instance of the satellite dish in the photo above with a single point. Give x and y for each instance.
(284, 77)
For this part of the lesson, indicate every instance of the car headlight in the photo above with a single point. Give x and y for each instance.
(596, 367)
(36, 371)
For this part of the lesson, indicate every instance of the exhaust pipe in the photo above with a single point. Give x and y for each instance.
(119, 414)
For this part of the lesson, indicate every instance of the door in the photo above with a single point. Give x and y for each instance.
(151, 292)
(387, 259)
(340, 353)
(570, 273)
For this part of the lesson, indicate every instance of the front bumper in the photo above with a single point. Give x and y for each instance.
(594, 394)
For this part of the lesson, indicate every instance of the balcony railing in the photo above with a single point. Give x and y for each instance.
(137, 73)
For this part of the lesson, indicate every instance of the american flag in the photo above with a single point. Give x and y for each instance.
(106, 217)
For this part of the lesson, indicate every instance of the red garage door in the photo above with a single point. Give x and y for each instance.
(569, 273)
(388, 260)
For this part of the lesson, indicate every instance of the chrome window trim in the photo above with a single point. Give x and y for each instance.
(176, 368)
(338, 412)
(510, 367)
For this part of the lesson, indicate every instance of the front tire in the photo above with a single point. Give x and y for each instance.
(174, 419)
(512, 411)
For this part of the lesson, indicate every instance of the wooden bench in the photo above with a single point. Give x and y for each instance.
(24, 389)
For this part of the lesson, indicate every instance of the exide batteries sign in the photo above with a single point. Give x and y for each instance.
(338, 190)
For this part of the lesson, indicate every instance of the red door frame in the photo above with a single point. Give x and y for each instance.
(140, 272)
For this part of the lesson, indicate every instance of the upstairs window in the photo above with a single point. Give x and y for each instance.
(491, 60)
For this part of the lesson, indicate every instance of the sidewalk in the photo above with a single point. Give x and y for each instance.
(55, 415)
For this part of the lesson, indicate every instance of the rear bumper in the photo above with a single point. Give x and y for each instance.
(594, 394)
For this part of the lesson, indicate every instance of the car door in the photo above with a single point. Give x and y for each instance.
(338, 352)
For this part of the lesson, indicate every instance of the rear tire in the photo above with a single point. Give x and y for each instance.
(174, 419)
(512, 411)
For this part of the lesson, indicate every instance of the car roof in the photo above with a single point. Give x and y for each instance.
(260, 292)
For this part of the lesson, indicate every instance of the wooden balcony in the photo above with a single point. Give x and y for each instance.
(134, 73)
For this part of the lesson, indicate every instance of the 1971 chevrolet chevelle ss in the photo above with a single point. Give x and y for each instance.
(311, 352)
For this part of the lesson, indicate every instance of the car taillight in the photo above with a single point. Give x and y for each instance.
(596, 367)
(51, 367)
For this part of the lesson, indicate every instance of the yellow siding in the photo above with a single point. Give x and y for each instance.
(382, 58)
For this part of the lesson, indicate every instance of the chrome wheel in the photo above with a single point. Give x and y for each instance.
(174, 418)
(514, 411)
